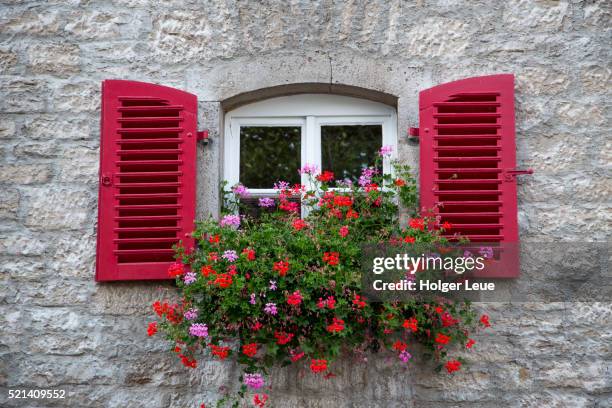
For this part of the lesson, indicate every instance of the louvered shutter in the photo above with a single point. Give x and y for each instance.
(467, 159)
(146, 200)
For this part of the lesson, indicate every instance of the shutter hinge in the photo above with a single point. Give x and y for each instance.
(510, 174)
(413, 132)
(202, 135)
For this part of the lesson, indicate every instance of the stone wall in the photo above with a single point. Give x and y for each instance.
(59, 329)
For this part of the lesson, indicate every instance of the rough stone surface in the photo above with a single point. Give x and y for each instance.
(60, 329)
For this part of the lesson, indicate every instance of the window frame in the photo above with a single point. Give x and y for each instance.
(310, 112)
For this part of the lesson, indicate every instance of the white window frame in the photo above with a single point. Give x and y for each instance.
(310, 112)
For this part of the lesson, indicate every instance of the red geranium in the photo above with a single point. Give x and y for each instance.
(260, 401)
(442, 338)
(343, 231)
(220, 351)
(282, 337)
(176, 269)
(409, 240)
(448, 320)
(281, 267)
(470, 343)
(317, 366)
(399, 182)
(399, 346)
(250, 254)
(417, 223)
(188, 362)
(411, 324)
(484, 320)
(452, 366)
(297, 356)
(223, 280)
(352, 214)
(250, 349)
(358, 302)
(342, 201)
(208, 270)
(299, 224)
(331, 258)
(326, 176)
(447, 225)
(152, 329)
(337, 326)
(295, 298)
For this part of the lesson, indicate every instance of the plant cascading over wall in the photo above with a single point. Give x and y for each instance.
(281, 290)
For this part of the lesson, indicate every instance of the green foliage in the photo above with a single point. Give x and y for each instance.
(309, 270)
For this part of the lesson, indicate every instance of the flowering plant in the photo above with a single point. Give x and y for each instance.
(282, 289)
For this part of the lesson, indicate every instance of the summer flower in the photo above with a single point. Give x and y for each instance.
(176, 269)
(230, 255)
(281, 267)
(250, 349)
(484, 320)
(317, 366)
(343, 231)
(230, 221)
(260, 400)
(198, 330)
(295, 298)
(271, 309)
(326, 176)
(337, 326)
(240, 190)
(272, 285)
(220, 351)
(404, 355)
(191, 314)
(252, 300)
(254, 381)
(442, 338)
(152, 329)
(366, 176)
(452, 365)
(282, 337)
(266, 202)
(385, 151)
(308, 169)
(299, 224)
(331, 258)
(189, 278)
(486, 252)
(281, 185)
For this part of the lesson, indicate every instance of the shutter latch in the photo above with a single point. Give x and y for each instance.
(510, 174)
(413, 132)
(202, 135)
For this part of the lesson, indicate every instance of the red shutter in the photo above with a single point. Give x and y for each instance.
(146, 200)
(467, 156)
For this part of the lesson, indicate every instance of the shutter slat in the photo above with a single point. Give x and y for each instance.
(149, 141)
(467, 141)
(147, 203)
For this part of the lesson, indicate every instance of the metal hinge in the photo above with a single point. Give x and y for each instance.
(202, 135)
(413, 132)
(510, 174)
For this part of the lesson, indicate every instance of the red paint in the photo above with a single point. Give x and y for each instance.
(146, 200)
(467, 145)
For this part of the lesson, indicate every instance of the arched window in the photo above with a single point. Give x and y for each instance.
(270, 140)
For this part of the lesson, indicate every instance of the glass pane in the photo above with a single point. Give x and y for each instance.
(269, 154)
(346, 149)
